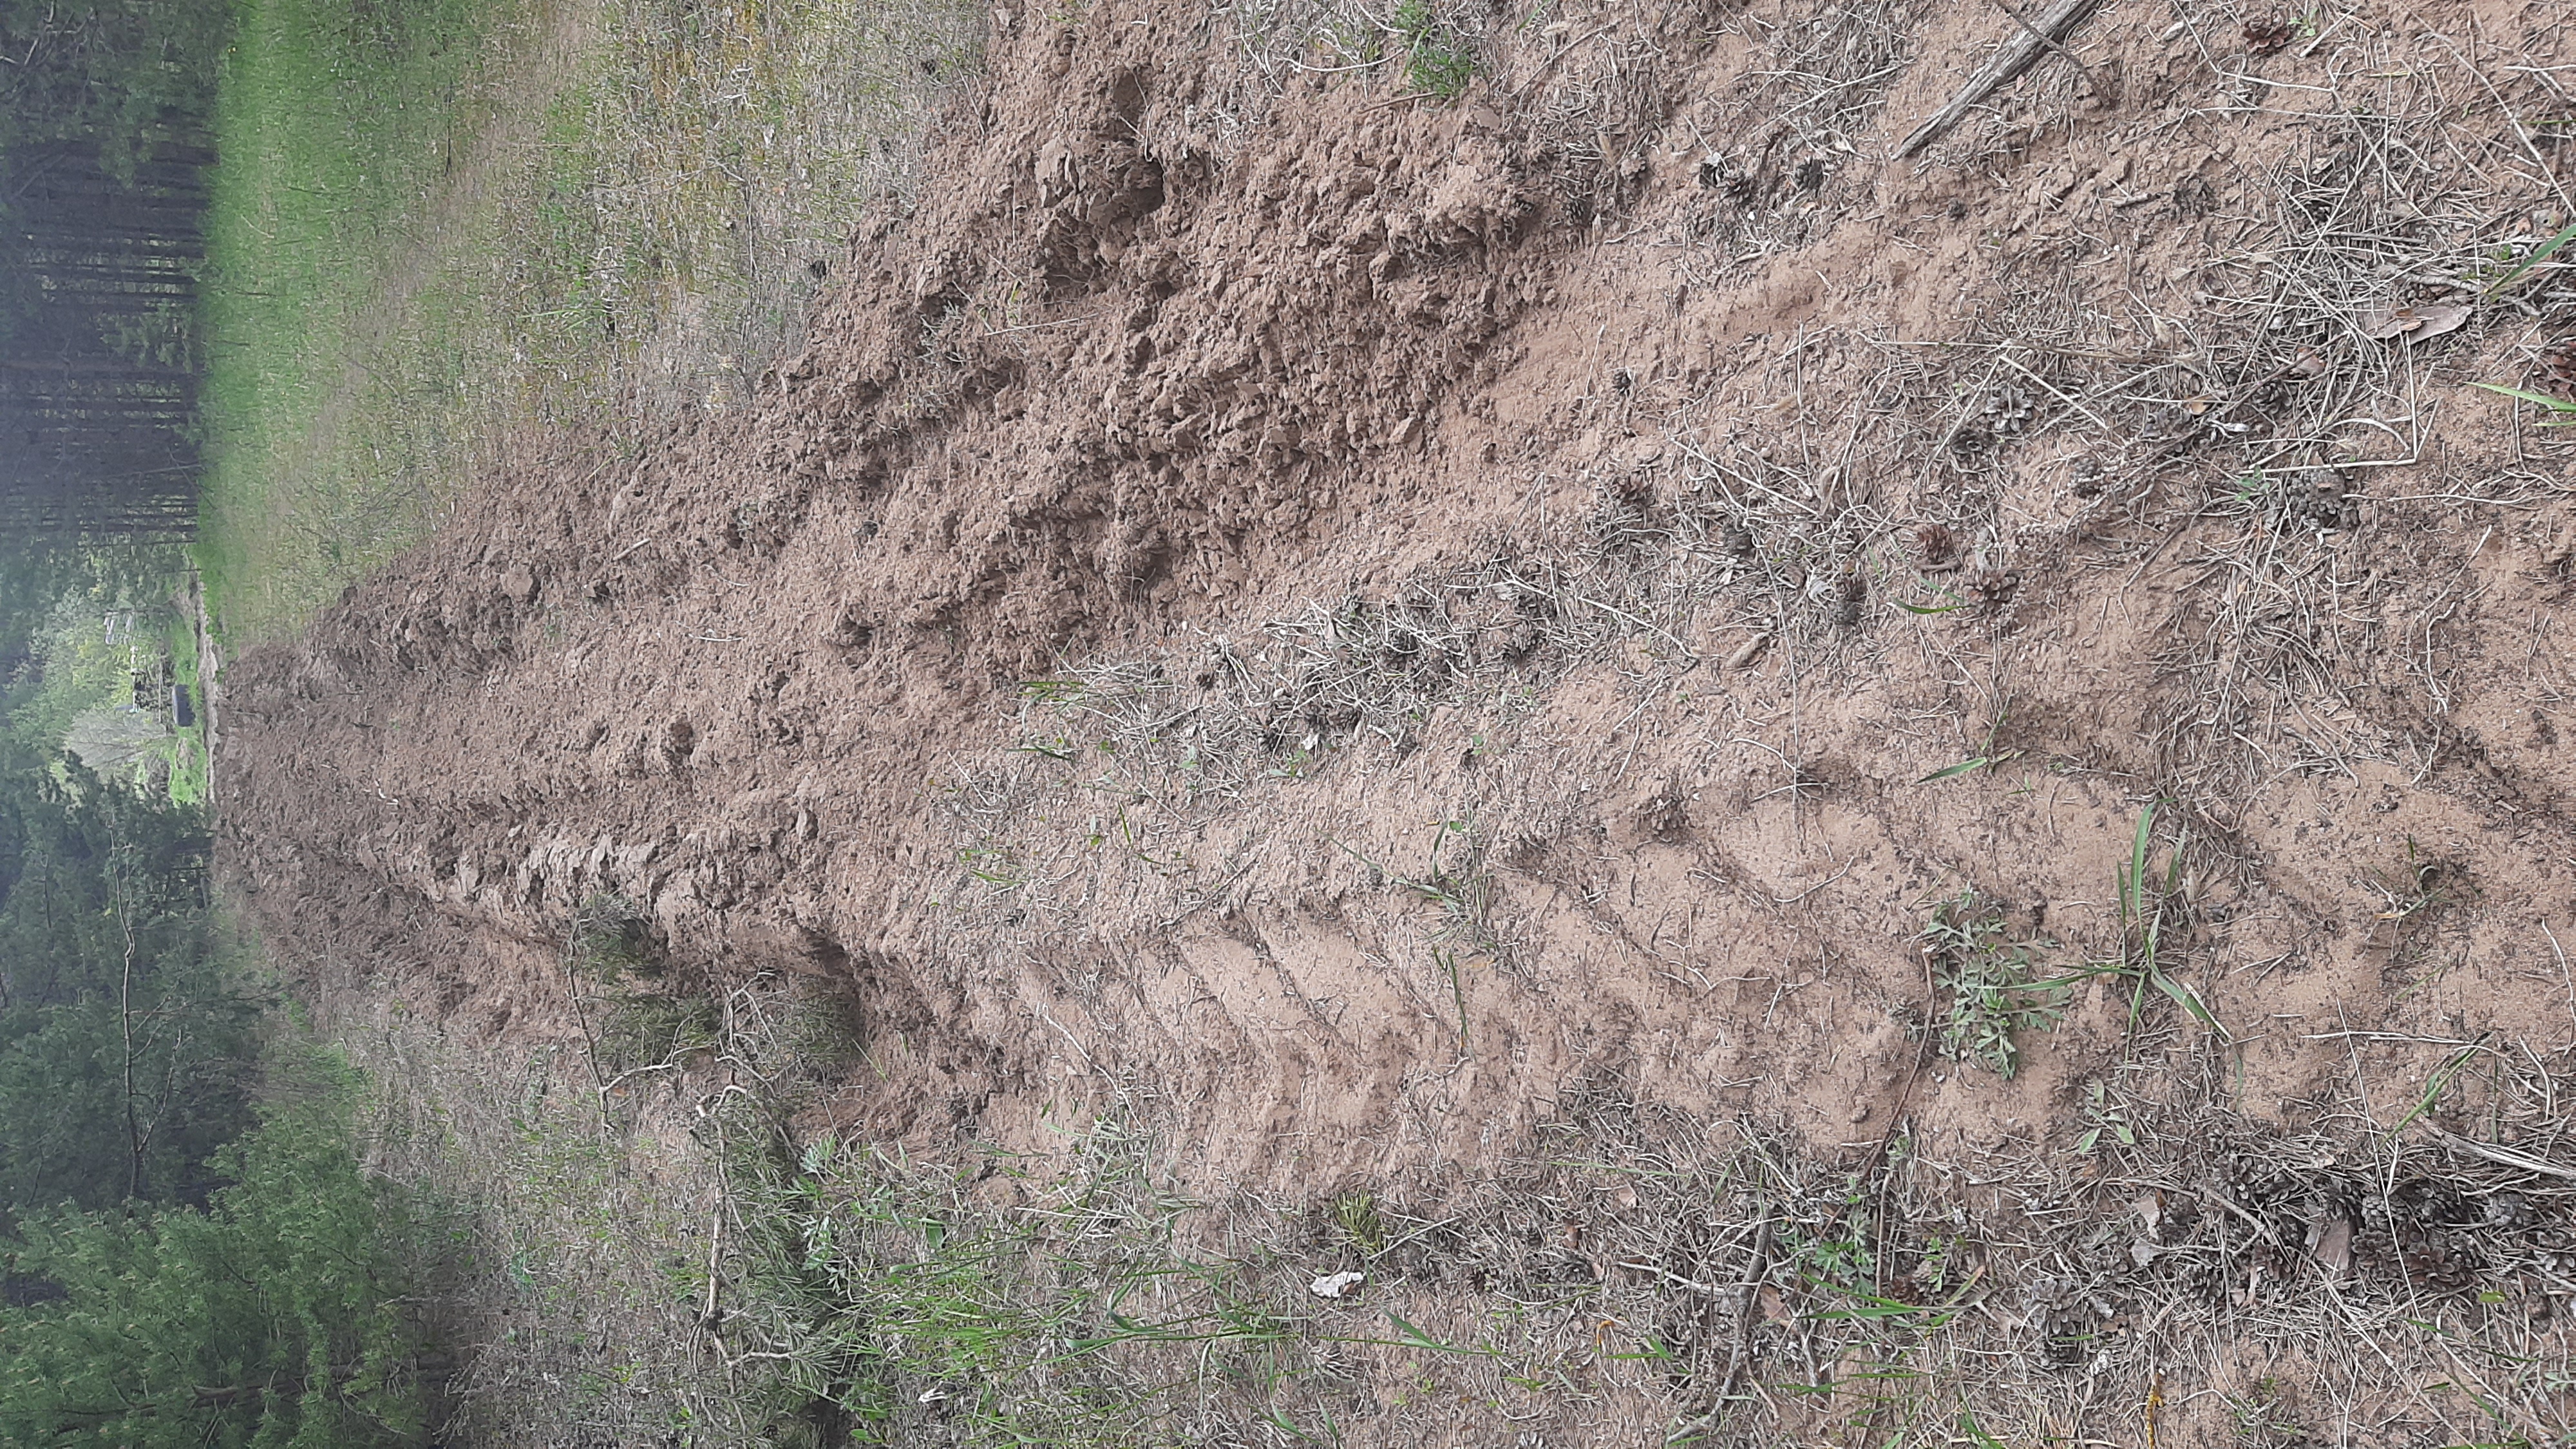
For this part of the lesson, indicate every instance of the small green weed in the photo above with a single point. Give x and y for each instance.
(1464, 892)
(2539, 254)
(1439, 60)
(1987, 756)
(2149, 901)
(2146, 906)
(2422, 891)
(1355, 1215)
(1989, 982)
(2556, 412)
(1834, 1256)
(1457, 993)
(611, 940)
(2108, 1117)
(2265, 1415)
(2441, 1081)
(1968, 766)
(1975, 1433)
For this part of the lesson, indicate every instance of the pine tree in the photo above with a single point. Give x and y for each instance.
(270, 1320)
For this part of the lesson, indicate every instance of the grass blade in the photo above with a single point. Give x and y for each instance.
(2440, 1082)
(2529, 262)
(2562, 412)
(2133, 886)
(1412, 1337)
(2189, 1000)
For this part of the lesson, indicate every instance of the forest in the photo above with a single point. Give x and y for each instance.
(103, 158)
(192, 1254)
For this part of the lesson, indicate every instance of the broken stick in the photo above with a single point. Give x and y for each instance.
(2037, 38)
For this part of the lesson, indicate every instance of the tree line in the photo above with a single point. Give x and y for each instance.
(190, 1251)
(105, 142)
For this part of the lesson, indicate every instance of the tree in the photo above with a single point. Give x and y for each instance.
(272, 1319)
(125, 1054)
(137, 76)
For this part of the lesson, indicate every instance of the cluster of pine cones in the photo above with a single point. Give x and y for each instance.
(2558, 368)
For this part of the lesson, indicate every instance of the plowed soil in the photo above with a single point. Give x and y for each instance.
(1350, 616)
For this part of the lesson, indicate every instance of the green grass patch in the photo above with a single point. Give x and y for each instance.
(1439, 58)
(339, 129)
(438, 223)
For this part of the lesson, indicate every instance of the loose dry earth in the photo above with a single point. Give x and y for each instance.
(1453, 649)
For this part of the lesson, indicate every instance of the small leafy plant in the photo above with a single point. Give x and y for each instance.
(1990, 984)
(2109, 1118)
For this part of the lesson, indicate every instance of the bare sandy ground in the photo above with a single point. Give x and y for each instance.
(1355, 620)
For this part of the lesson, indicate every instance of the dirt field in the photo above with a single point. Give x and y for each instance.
(1614, 665)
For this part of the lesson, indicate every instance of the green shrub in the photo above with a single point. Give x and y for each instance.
(273, 1317)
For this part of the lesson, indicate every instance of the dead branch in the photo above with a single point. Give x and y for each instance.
(2036, 39)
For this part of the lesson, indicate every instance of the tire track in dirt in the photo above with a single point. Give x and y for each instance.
(1125, 389)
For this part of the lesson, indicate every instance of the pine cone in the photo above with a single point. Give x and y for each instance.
(2558, 367)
